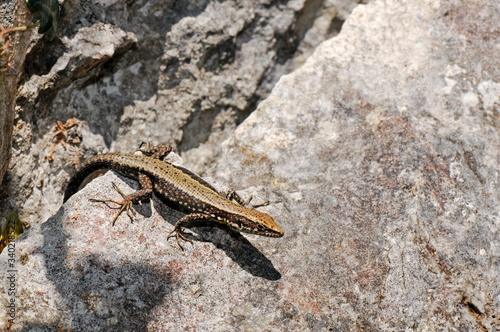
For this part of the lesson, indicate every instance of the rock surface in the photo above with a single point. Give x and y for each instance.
(380, 157)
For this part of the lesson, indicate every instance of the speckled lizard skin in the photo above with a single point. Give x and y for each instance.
(177, 187)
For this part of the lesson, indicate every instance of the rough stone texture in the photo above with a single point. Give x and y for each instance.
(380, 157)
(86, 53)
(385, 150)
(31, 173)
(178, 72)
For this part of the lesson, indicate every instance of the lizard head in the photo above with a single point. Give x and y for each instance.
(259, 223)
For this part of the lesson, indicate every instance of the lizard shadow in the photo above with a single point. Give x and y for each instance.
(240, 250)
(234, 244)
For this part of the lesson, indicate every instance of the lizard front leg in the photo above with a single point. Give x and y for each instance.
(190, 220)
(233, 196)
(154, 151)
(126, 204)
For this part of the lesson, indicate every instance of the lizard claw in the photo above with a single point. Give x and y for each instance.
(126, 203)
(179, 234)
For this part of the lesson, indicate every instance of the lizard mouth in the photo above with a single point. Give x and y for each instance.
(276, 233)
(269, 232)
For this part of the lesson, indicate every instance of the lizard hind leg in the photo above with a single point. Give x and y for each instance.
(126, 204)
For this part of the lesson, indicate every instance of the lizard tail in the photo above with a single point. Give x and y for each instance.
(88, 167)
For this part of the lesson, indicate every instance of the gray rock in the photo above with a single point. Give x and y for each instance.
(380, 158)
(31, 173)
(87, 51)
(384, 149)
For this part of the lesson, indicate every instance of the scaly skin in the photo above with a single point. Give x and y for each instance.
(179, 188)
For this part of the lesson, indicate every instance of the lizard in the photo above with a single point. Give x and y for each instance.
(178, 188)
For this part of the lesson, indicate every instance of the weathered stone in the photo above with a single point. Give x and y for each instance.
(380, 158)
(86, 52)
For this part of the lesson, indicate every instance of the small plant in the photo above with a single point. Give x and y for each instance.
(49, 15)
(13, 228)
